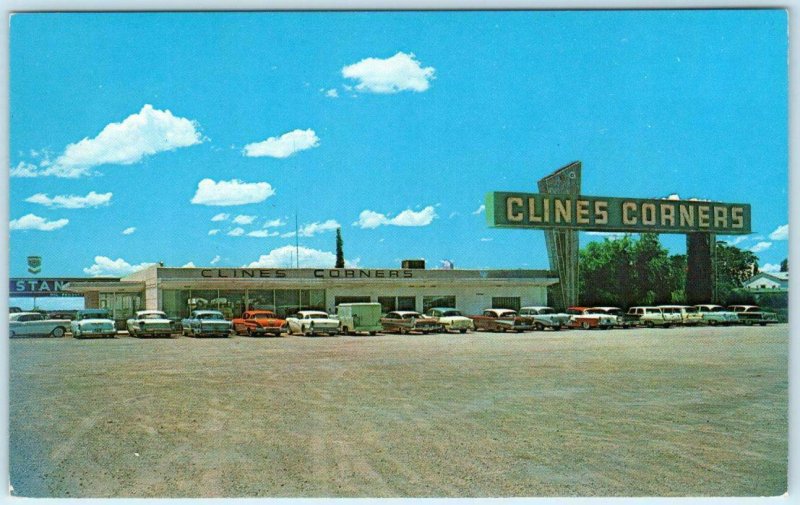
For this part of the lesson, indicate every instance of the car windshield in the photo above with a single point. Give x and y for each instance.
(317, 315)
(507, 313)
(210, 315)
(595, 311)
(93, 315)
(153, 315)
(547, 310)
(451, 313)
(691, 310)
(411, 315)
(263, 316)
(719, 309)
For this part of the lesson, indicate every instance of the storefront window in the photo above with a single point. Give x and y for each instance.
(444, 301)
(175, 302)
(392, 303)
(287, 301)
(388, 303)
(261, 299)
(350, 299)
(506, 302)
(407, 303)
(231, 303)
(121, 305)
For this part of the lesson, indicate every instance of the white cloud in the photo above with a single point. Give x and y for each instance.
(104, 266)
(486, 239)
(263, 233)
(735, 240)
(236, 232)
(215, 260)
(369, 219)
(145, 133)
(610, 235)
(188, 265)
(285, 257)
(273, 223)
(24, 169)
(243, 219)
(128, 231)
(332, 93)
(761, 246)
(780, 233)
(770, 267)
(283, 146)
(221, 217)
(92, 199)
(479, 210)
(34, 222)
(453, 214)
(401, 72)
(214, 231)
(311, 229)
(233, 192)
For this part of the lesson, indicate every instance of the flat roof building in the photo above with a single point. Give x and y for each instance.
(178, 291)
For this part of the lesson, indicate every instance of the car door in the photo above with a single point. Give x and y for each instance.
(34, 325)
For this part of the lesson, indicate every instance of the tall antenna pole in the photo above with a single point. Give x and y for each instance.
(296, 241)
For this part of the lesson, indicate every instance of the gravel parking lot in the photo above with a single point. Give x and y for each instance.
(680, 411)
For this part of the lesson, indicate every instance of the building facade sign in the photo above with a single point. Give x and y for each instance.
(318, 273)
(633, 215)
(29, 287)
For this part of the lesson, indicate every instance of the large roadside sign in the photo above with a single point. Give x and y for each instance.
(600, 213)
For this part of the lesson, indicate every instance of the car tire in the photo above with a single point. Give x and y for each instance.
(373, 333)
(463, 331)
(649, 324)
(13, 334)
(712, 322)
(556, 327)
(57, 332)
(585, 325)
(345, 330)
(538, 327)
(762, 324)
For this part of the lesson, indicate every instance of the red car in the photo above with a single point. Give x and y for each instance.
(584, 318)
(259, 322)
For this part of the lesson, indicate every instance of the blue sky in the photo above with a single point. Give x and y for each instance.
(401, 122)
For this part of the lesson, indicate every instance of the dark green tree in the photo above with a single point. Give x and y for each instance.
(733, 267)
(785, 265)
(339, 249)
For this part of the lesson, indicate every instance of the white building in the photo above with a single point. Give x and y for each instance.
(768, 281)
(177, 291)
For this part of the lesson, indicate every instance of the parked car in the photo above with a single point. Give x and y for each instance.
(753, 314)
(545, 317)
(359, 318)
(502, 320)
(67, 315)
(406, 321)
(582, 317)
(654, 316)
(14, 310)
(716, 314)
(93, 323)
(206, 323)
(259, 322)
(622, 320)
(312, 322)
(34, 324)
(451, 319)
(151, 323)
(689, 316)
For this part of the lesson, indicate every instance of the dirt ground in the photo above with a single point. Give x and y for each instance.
(623, 412)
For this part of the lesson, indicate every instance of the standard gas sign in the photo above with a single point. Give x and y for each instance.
(598, 213)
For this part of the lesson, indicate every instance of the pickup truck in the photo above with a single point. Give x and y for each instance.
(753, 314)
(502, 320)
(259, 322)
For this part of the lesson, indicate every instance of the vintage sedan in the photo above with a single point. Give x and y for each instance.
(93, 323)
(654, 316)
(545, 317)
(623, 320)
(716, 314)
(406, 321)
(151, 323)
(206, 323)
(34, 324)
(753, 314)
(259, 322)
(451, 319)
(312, 322)
(582, 317)
(502, 320)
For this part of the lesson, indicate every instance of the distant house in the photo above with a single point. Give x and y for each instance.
(768, 281)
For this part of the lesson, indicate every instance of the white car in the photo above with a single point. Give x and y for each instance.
(545, 317)
(30, 324)
(717, 314)
(451, 319)
(151, 323)
(689, 316)
(312, 322)
(93, 323)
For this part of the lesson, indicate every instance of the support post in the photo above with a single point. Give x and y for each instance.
(700, 274)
